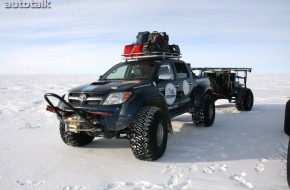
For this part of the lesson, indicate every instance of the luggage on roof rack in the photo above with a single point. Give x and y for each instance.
(142, 37)
(151, 45)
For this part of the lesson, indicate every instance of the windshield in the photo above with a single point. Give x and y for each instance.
(130, 71)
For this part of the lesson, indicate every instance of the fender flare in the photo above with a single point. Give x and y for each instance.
(152, 98)
(160, 102)
(199, 93)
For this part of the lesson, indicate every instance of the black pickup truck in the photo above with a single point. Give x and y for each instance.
(135, 100)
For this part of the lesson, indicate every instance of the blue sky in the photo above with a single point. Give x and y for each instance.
(87, 37)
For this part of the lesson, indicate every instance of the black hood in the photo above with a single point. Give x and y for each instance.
(104, 87)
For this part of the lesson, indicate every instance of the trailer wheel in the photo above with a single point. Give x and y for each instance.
(206, 114)
(74, 139)
(245, 99)
(149, 134)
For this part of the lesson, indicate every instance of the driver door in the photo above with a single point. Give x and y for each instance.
(166, 85)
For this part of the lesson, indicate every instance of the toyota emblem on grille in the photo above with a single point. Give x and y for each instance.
(82, 97)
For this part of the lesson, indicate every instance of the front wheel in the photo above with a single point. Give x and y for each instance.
(206, 114)
(149, 134)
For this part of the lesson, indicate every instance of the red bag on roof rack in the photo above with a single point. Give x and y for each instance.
(128, 50)
(137, 50)
(133, 50)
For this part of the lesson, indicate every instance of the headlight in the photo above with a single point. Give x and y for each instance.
(117, 98)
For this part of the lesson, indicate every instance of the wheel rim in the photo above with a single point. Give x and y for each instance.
(160, 134)
(210, 111)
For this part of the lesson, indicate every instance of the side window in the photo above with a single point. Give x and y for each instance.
(181, 70)
(166, 69)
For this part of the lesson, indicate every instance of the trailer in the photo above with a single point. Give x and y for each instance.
(230, 84)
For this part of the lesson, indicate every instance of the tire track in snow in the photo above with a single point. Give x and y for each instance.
(29, 126)
(74, 187)
(240, 178)
(29, 183)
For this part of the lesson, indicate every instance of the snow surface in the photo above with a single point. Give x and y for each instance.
(242, 150)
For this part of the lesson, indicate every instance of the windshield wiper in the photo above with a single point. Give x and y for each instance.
(116, 79)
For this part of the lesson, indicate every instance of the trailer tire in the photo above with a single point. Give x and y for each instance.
(149, 134)
(74, 139)
(245, 99)
(206, 114)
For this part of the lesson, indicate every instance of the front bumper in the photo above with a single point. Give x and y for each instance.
(91, 119)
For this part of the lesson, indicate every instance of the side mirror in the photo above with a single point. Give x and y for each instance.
(100, 77)
(165, 76)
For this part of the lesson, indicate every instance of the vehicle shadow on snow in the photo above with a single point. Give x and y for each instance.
(102, 143)
(235, 135)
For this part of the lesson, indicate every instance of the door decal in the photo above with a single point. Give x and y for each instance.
(185, 87)
(170, 93)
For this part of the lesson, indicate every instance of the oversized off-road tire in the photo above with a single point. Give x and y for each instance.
(288, 164)
(74, 139)
(287, 118)
(287, 131)
(206, 114)
(245, 99)
(149, 134)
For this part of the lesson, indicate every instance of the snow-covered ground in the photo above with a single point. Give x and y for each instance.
(242, 150)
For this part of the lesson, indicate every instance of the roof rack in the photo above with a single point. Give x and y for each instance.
(222, 69)
(152, 55)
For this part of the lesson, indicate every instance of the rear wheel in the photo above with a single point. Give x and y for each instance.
(206, 114)
(74, 139)
(149, 134)
(245, 99)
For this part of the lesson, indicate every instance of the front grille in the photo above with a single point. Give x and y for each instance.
(91, 99)
(75, 102)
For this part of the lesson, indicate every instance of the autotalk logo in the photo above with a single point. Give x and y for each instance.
(28, 5)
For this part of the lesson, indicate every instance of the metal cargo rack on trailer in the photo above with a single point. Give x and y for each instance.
(230, 84)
